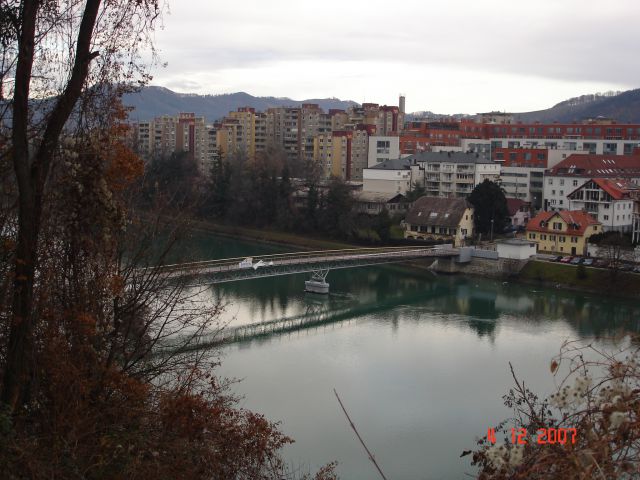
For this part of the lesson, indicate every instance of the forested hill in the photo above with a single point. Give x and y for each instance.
(153, 101)
(622, 107)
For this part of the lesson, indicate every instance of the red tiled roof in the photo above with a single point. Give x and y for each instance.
(579, 218)
(618, 188)
(597, 166)
(513, 205)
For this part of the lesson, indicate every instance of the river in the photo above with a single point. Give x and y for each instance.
(421, 363)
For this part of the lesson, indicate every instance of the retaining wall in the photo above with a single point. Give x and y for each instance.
(484, 267)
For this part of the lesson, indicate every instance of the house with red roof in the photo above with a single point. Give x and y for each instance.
(564, 232)
(577, 169)
(608, 200)
(519, 211)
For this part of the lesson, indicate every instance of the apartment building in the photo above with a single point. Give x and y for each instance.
(388, 176)
(452, 174)
(382, 148)
(313, 122)
(167, 134)
(577, 169)
(443, 174)
(343, 153)
(608, 200)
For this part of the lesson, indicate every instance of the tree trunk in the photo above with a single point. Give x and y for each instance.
(32, 178)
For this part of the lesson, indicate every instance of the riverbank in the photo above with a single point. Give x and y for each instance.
(540, 273)
(271, 236)
(593, 280)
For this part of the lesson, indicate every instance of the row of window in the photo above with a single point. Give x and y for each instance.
(573, 182)
(552, 238)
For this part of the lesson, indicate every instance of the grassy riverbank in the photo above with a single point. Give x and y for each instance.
(595, 280)
(272, 236)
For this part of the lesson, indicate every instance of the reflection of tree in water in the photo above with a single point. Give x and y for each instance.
(483, 327)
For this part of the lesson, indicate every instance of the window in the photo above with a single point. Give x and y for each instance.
(557, 225)
(562, 239)
(575, 183)
(552, 238)
(383, 146)
(553, 192)
(561, 181)
(550, 181)
(606, 217)
(574, 239)
(532, 236)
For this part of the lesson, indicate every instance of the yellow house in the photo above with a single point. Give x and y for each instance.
(564, 232)
(437, 218)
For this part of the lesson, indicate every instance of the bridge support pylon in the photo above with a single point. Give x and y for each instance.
(317, 283)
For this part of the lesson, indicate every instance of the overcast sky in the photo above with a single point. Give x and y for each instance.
(447, 56)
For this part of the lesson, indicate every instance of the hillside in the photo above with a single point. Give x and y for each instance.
(623, 107)
(152, 102)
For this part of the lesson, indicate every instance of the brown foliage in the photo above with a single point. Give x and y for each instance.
(597, 404)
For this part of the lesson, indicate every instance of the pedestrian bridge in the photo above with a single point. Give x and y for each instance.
(319, 263)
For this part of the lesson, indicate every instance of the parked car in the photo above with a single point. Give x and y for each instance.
(556, 259)
(636, 269)
(626, 267)
(576, 261)
(588, 262)
(565, 259)
(600, 263)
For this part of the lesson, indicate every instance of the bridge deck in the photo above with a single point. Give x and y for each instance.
(229, 269)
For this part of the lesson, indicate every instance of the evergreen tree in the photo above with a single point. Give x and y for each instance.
(490, 204)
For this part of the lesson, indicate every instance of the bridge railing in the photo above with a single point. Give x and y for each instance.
(296, 257)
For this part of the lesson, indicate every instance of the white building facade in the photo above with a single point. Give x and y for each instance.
(382, 148)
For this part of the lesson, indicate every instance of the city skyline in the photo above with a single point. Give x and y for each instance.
(458, 57)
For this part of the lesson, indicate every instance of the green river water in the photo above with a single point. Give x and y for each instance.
(421, 364)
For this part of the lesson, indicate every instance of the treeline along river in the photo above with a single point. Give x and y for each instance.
(420, 362)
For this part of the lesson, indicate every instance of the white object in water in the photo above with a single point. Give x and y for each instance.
(315, 286)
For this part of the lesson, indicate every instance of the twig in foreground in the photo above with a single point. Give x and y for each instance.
(373, 460)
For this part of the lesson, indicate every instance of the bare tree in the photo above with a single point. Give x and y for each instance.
(56, 57)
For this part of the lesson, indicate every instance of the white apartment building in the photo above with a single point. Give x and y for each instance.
(452, 174)
(382, 148)
(608, 200)
(443, 174)
(577, 169)
(568, 146)
(389, 176)
(525, 183)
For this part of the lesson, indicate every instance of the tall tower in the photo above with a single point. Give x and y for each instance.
(401, 103)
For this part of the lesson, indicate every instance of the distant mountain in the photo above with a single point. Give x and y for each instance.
(624, 107)
(152, 102)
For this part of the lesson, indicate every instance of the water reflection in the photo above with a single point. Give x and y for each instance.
(421, 360)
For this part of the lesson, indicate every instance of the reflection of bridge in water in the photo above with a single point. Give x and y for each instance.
(319, 263)
(317, 314)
